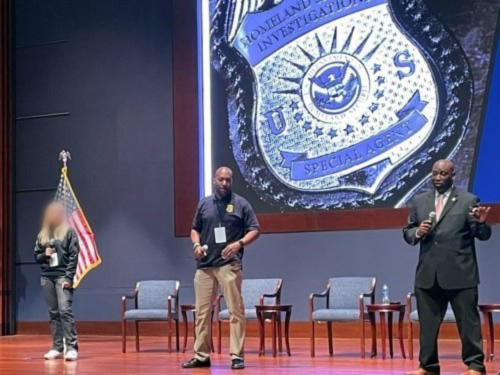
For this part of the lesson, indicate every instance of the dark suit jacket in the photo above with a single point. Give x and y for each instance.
(447, 252)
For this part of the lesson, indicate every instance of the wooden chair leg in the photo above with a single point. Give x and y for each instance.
(177, 340)
(170, 335)
(185, 323)
(219, 338)
(137, 346)
(273, 332)
(330, 338)
(212, 347)
(410, 340)
(313, 351)
(124, 336)
(194, 326)
(362, 337)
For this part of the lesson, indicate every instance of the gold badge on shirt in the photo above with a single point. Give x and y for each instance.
(229, 208)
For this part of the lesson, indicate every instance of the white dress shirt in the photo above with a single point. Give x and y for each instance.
(446, 196)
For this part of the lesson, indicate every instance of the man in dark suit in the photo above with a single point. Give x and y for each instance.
(445, 222)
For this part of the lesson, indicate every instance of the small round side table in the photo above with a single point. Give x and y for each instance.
(389, 310)
(273, 311)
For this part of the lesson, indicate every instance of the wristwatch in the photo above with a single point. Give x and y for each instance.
(242, 243)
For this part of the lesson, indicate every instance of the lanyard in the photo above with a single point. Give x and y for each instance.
(221, 211)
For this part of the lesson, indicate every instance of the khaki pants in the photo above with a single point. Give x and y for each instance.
(229, 277)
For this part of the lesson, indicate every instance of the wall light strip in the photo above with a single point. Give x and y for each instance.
(206, 163)
(199, 51)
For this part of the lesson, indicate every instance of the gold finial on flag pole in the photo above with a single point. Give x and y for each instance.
(64, 156)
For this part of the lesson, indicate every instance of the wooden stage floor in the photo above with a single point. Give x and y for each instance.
(22, 355)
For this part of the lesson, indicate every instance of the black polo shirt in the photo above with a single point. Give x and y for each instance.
(232, 212)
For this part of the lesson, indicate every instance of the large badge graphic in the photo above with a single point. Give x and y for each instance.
(340, 103)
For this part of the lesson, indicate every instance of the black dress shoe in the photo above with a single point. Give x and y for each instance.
(196, 363)
(237, 364)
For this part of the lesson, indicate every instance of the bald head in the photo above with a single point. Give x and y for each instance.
(223, 180)
(223, 170)
(443, 174)
(446, 164)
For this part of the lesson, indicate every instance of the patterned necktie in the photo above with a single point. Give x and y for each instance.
(439, 205)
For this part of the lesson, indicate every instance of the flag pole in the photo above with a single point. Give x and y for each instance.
(77, 220)
(64, 156)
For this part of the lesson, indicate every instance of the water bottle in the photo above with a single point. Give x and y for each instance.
(385, 295)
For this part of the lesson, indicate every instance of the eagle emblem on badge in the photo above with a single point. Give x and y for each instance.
(339, 103)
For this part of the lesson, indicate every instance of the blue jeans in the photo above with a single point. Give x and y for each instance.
(62, 322)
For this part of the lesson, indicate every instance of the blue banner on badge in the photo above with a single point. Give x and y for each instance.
(303, 168)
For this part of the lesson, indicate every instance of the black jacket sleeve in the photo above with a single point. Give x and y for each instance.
(481, 231)
(409, 232)
(73, 248)
(40, 256)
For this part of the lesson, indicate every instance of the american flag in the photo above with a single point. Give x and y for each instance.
(88, 258)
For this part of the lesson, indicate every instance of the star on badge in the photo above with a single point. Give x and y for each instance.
(374, 107)
(332, 133)
(349, 129)
(380, 80)
(364, 119)
(307, 126)
(294, 106)
(298, 117)
(229, 208)
(318, 131)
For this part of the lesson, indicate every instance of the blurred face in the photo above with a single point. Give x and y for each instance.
(442, 175)
(55, 214)
(223, 180)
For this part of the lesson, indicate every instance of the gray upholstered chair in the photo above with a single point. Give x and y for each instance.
(412, 317)
(155, 300)
(345, 302)
(254, 292)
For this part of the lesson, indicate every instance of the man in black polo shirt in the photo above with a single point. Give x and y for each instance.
(224, 222)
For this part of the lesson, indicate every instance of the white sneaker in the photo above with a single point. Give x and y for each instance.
(71, 355)
(53, 354)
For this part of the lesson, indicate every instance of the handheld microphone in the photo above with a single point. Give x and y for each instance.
(431, 219)
(53, 260)
(204, 248)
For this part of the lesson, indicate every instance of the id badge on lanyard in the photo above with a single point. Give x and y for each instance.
(220, 231)
(220, 234)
